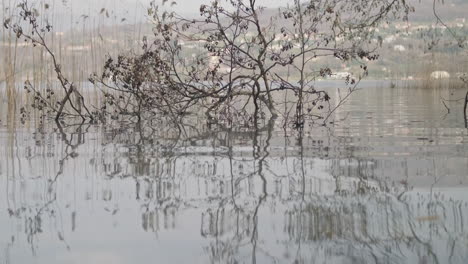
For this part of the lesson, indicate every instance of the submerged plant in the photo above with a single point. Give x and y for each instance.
(236, 75)
(27, 26)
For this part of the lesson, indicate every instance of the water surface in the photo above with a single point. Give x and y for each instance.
(386, 182)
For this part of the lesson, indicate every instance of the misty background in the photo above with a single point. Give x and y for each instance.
(66, 14)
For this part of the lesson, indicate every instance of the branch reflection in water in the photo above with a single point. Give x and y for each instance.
(230, 196)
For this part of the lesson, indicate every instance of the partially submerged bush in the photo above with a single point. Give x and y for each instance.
(239, 70)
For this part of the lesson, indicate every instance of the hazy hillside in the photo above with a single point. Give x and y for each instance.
(66, 14)
(87, 31)
(449, 10)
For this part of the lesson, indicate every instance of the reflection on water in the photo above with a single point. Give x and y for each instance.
(387, 183)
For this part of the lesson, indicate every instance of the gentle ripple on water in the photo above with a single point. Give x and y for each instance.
(388, 184)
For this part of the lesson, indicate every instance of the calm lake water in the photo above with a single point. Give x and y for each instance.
(386, 183)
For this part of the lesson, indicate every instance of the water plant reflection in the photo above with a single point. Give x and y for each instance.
(254, 196)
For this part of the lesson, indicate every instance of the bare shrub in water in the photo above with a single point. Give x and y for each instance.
(250, 59)
(29, 28)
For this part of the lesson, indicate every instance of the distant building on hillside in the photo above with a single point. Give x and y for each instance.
(440, 75)
(399, 48)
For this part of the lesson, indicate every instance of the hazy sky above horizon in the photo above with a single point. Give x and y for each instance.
(131, 10)
(134, 11)
(183, 6)
(192, 6)
(186, 6)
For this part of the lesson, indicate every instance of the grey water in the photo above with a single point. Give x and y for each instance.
(385, 182)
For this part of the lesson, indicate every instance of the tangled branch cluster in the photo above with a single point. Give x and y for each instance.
(238, 72)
